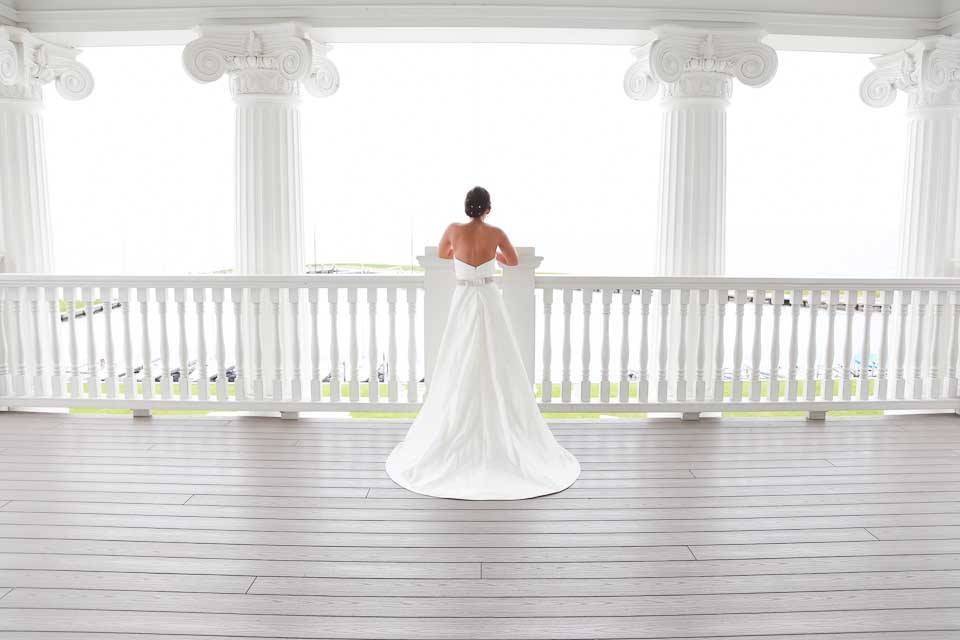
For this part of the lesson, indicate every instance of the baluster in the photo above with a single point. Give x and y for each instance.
(759, 296)
(34, 294)
(848, 344)
(411, 344)
(740, 299)
(796, 304)
(106, 294)
(566, 385)
(937, 298)
(773, 384)
(811, 384)
(130, 383)
(884, 349)
(93, 370)
(147, 366)
(393, 383)
(682, 347)
(833, 302)
(332, 298)
(277, 344)
(316, 388)
(6, 385)
(664, 345)
(900, 382)
(643, 383)
(180, 298)
(221, 348)
(256, 298)
(546, 386)
(354, 346)
(56, 374)
(922, 298)
(624, 391)
(240, 371)
(606, 299)
(869, 298)
(19, 349)
(703, 298)
(166, 390)
(719, 354)
(952, 363)
(293, 298)
(587, 300)
(70, 296)
(373, 384)
(203, 375)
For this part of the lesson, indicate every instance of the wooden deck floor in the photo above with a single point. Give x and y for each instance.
(193, 528)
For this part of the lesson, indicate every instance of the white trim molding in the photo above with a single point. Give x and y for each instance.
(502, 20)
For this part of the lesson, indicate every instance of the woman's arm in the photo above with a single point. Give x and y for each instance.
(445, 248)
(506, 254)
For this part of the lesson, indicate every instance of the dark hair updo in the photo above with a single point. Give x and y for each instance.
(477, 202)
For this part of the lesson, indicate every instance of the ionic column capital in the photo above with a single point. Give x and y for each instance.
(28, 62)
(699, 62)
(266, 59)
(927, 71)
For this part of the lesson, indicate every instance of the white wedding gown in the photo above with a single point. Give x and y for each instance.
(479, 434)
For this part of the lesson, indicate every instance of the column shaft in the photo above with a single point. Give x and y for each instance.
(26, 238)
(692, 208)
(930, 223)
(269, 190)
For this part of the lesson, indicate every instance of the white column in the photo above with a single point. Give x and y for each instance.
(438, 283)
(520, 298)
(266, 65)
(696, 68)
(929, 73)
(26, 244)
(26, 64)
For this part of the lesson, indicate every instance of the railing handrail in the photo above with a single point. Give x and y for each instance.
(219, 280)
(416, 279)
(715, 282)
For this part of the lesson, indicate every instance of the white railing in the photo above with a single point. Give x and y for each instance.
(728, 344)
(612, 344)
(197, 342)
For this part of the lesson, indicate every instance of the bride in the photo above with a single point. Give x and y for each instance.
(479, 434)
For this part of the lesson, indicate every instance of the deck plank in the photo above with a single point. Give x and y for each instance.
(227, 527)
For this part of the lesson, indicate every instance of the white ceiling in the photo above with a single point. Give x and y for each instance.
(846, 25)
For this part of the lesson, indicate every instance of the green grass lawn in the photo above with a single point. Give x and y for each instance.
(553, 415)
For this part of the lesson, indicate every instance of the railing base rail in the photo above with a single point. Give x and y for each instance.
(689, 410)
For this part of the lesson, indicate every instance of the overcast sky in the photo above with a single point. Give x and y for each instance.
(141, 173)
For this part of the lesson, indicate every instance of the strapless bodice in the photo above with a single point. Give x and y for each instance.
(466, 271)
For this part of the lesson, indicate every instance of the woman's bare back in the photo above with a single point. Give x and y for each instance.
(477, 242)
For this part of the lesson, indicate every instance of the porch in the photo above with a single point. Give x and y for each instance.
(227, 526)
